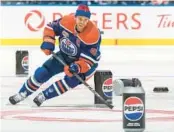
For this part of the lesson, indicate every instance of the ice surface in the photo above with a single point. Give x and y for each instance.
(75, 112)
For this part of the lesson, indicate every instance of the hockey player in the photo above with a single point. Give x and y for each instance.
(79, 44)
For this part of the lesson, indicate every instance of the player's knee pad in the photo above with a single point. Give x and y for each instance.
(73, 81)
(42, 75)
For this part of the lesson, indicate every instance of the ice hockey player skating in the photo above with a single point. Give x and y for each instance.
(79, 44)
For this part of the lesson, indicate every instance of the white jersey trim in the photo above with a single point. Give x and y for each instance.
(35, 82)
(88, 57)
(29, 89)
(56, 88)
(98, 58)
(65, 84)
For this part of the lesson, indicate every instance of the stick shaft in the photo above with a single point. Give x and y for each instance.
(82, 81)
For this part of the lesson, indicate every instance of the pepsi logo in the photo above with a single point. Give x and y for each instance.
(24, 62)
(68, 47)
(34, 20)
(133, 109)
(107, 87)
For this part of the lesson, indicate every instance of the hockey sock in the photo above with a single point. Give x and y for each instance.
(56, 89)
(30, 86)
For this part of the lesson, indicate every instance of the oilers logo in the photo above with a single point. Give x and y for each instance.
(68, 47)
(107, 87)
(24, 63)
(133, 109)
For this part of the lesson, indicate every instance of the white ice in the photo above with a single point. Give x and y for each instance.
(75, 111)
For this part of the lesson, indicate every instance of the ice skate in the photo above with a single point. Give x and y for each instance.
(39, 99)
(17, 98)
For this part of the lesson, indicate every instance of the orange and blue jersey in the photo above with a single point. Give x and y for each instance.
(74, 45)
(83, 48)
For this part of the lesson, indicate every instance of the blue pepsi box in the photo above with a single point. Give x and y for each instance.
(134, 109)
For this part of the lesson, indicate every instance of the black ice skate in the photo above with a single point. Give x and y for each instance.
(39, 99)
(17, 98)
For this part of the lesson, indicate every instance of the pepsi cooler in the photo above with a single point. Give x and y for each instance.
(103, 86)
(134, 109)
(22, 63)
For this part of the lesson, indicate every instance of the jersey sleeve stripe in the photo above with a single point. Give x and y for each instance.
(48, 39)
(35, 82)
(87, 61)
(65, 84)
(88, 57)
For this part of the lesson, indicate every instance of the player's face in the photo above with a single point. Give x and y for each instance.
(81, 22)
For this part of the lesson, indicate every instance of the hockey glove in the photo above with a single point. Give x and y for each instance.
(73, 68)
(47, 47)
(76, 67)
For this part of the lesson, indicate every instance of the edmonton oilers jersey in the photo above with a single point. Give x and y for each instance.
(74, 45)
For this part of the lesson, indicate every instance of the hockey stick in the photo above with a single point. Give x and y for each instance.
(82, 81)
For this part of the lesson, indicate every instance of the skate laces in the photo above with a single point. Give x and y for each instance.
(41, 97)
(19, 97)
